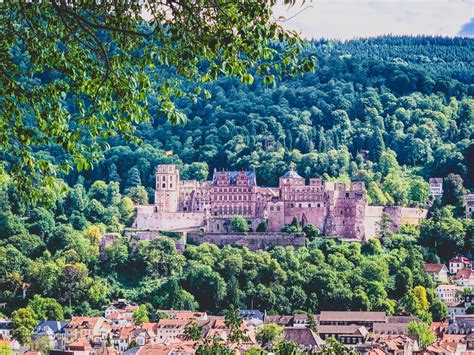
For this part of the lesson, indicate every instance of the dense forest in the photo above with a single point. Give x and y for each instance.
(380, 110)
(391, 112)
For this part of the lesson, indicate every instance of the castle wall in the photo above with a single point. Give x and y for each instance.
(398, 216)
(149, 218)
(253, 241)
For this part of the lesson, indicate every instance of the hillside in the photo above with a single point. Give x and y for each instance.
(407, 101)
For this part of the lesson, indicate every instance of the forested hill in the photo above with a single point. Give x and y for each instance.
(407, 101)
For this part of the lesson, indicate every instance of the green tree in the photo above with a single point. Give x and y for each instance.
(140, 315)
(269, 335)
(106, 48)
(24, 321)
(454, 193)
(46, 308)
(239, 224)
(138, 195)
(194, 332)
(423, 332)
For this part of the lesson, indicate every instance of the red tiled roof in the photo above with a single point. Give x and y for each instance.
(433, 267)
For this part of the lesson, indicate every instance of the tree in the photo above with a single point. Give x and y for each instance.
(194, 332)
(138, 195)
(423, 331)
(443, 233)
(269, 335)
(46, 308)
(94, 73)
(439, 311)
(454, 192)
(133, 178)
(312, 323)
(239, 224)
(140, 315)
(24, 321)
(262, 227)
(311, 232)
(234, 323)
(287, 348)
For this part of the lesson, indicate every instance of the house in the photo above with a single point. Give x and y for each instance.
(438, 272)
(390, 328)
(469, 212)
(168, 329)
(366, 319)
(448, 293)
(388, 345)
(161, 349)
(5, 327)
(460, 324)
(120, 310)
(296, 320)
(346, 334)
(186, 315)
(459, 263)
(307, 340)
(53, 331)
(254, 317)
(436, 186)
(464, 278)
(80, 328)
(460, 308)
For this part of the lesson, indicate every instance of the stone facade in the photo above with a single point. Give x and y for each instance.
(336, 208)
(253, 241)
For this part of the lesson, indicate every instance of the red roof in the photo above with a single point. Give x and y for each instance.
(460, 259)
(433, 267)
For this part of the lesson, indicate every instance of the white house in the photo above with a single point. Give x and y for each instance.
(5, 327)
(448, 293)
(459, 263)
(438, 272)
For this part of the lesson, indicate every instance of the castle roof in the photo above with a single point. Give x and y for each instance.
(291, 174)
(233, 177)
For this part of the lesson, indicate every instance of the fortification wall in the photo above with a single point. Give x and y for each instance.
(253, 241)
(151, 235)
(148, 218)
(373, 214)
(398, 216)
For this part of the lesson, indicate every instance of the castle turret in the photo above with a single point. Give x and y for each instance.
(167, 188)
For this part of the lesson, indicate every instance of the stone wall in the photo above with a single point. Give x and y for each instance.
(148, 218)
(253, 241)
(398, 216)
(150, 235)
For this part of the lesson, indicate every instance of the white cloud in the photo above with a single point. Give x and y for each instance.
(345, 19)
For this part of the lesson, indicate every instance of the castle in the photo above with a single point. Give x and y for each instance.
(336, 208)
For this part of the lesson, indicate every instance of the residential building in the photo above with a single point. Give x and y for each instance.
(84, 329)
(448, 293)
(464, 278)
(54, 331)
(469, 212)
(308, 341)
(459, 263)
(436, 186)
(346, 334)
(5, 327)
(366, 319)
(438, 272)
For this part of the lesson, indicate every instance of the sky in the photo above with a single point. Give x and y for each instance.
(346, 19)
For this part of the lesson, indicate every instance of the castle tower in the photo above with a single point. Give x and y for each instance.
(167, 188)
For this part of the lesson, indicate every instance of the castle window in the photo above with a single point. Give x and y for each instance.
(300, 205)
(309, 205)
(164, 178)
(164, 185)
(347, 194)
(341, 211)
(292, 205)
(271, 208)
(278, 208)
(319, 205)
(171, 185)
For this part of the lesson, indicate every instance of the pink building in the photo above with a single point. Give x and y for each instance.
(336, 208)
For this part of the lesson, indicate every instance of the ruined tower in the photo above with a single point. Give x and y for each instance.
(167, 188)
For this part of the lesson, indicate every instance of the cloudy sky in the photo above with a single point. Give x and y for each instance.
(345, 19)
